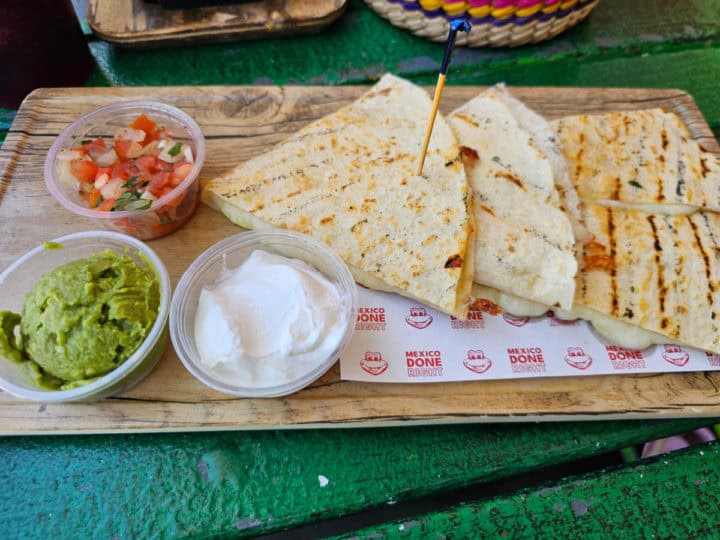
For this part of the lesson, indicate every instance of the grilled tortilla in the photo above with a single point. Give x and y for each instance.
(640, 158)
(657, 272)
(525, 244)
(349, 180)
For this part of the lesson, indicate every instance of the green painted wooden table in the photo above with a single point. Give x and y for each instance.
(422, 481)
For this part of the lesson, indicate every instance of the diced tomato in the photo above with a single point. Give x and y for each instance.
(80, 149)
(103, 170)
(127, 149)
(164, 165)
(162, 229)
(175, 201)
(93, 198)
(146, 164)
(106, 205)
(147, 125)
(97, 142)
(180, 172)
(129, 167)
(127, 226)
(158, 182)
(83, 170)
(96, 146)
(119, 171)
(158, 134)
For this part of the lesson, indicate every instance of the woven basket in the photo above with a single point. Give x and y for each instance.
(495, 23)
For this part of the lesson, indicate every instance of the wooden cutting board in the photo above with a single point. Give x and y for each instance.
(240, 122)
(140, 24)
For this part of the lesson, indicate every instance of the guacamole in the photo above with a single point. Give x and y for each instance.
(82, 320)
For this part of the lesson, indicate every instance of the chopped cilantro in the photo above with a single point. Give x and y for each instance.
(85, 141)
(140, 204)
(175, 150)
(99, 201)
(124, 199)
(635, 184)
(130, 182)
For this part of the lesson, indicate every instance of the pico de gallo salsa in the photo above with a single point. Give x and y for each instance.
(140, 165)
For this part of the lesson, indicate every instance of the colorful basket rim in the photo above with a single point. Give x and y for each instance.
(496, 12)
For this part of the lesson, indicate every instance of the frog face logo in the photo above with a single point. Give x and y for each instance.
(675, 355)
(419, 318)
(374, 363)
(577, 358)
(476, 361)
(515, 321)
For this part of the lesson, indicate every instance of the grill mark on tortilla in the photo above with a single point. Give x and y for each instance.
(678, 271)
(706, 259)
(582, 272)
(466, 118)
(662, 288)
(681, 177)
(578, 158)
(613, 271)
(487, 209)
(615, 196)
(704, 168)
(661, 189)
(318, 133)
(512, 178)
(665, 140)
(295, 209)
(713, 238)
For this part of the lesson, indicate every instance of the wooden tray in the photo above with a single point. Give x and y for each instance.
(240, 122)
(135, 23)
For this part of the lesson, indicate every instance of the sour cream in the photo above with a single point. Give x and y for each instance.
(268, 322)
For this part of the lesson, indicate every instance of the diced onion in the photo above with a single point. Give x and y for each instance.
(150, 148)
(129, 134)
(134, 150)
(101, 180)
(95, 151)
(68, 155)
(107, 158)
(113, 189)
(187, 153)
(165, 154)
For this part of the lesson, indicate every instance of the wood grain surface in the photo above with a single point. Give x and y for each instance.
(240, 122)
(135, 23)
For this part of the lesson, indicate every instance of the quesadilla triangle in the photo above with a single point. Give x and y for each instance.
(639, 159)
(525, 244)
(544, 137)
(651, 278)
(349, 180)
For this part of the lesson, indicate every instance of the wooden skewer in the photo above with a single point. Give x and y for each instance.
(455, 26)
(431, 123)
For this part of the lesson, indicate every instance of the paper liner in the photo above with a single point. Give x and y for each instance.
(399, 340)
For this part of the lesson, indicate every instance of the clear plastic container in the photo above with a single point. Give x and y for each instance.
(169, 212)
(230, 253)
(21, 276)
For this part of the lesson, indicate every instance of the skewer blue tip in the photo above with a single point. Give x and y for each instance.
(458, 25)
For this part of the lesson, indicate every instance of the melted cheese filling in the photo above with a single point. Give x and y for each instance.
(615, 331)
(514, 305)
